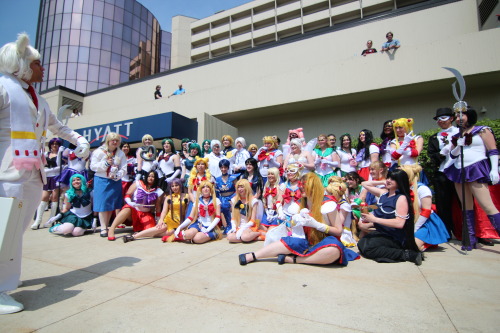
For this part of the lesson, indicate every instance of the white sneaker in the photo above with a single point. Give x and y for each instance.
(9, 305)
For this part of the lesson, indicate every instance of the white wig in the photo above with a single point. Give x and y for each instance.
(16, 57)
(215, 142)
(242, 141)
(297, 142)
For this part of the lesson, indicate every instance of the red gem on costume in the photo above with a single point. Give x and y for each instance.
(37, 124)
(35, 152)
(27, 153)
(16, 152)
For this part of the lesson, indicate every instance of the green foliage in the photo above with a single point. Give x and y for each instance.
(424, 159)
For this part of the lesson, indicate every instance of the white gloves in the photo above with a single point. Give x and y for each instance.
(309, 221)
(130, 202)
(281, 215)
(420, 222)
(182, 226)
(445, 151)
(333, 164)
(211, 226)
(243, 227)
(406, 142)
(494, 169)
(460, 143)
(233, 227)
(52, 220)
(82, 147)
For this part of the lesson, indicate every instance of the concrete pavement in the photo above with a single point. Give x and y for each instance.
(89, 284)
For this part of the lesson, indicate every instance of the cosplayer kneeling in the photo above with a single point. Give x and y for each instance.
(244, 226)
(142, 200)
(24, 119)
(76, 215)
(315, 238)
(202, 223)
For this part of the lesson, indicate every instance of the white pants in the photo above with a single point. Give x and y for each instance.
(29, 190)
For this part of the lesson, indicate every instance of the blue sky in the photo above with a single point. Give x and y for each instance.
(14, 21)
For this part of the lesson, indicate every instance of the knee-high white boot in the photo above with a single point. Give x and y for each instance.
(39, 215)
(53, 211)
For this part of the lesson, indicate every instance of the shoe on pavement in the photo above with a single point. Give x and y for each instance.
(9, 305)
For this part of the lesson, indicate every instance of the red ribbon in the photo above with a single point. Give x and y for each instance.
(204, 209)
(270, 192)
(265, 155)
(290, 195)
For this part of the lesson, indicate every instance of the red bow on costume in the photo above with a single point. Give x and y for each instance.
(290, 195)
(207, 210)
(197, 182)
(411, 145)
(72, 156)
(270, 192)
(265, 155)
(412, 195)
(166, 157)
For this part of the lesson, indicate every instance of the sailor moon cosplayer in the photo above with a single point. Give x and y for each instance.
(269, 156)
(172, 214)
(326, 160)
(291, 192)
(272, 199)
(245, 228)
(429, 228)
(406, 147)
(169, 164)
(188, 161)
(141, 202)
(76, 215)
(319, 244)
(479, 147)
(347, 155)
(76, 165)
(51, 189)
(337, 209)
(225, 190)
(199, 173)
(144, 166)
(368, 152)
(24, 119)
(202, 223)
(110, 165)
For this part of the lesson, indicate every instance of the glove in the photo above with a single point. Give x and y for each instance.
(211, 226)
(445, 151)
(243, 227)
(408, 138)
(233, 227)
(460, 143)
(138, 176)
(82, 148)
(119, 175)
(182, 226)
(113, 170)
(494, 169)
(309, 221)
(130, 202)
(420, 222)
(281, 215)
(334, 164)
(53, 219)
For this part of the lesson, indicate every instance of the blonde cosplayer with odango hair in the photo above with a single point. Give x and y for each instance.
(25, 118)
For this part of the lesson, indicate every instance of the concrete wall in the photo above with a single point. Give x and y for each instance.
(323, 84)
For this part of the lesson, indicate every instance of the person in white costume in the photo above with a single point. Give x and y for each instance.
(24, 120)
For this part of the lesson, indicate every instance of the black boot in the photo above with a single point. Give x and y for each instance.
(413, 256)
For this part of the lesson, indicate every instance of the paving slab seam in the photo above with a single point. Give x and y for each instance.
(437, 298)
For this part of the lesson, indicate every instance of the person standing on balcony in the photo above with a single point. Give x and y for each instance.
(391, 43)
(180, 91)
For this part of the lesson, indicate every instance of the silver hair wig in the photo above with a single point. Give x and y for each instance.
(16, 57)
(215, 142)
(241, 140)
(297, 142)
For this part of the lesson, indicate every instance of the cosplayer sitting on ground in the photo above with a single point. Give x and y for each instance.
(315, 239)
(245, 228)
(142, 200)
(173, 213)
(393, 239)
(202, 223)
(429, 228)
(76, 215)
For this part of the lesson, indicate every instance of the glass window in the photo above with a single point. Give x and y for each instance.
(55, 37)
(125, 64)
(129, 5)
(117, 29)
(127, 19)
(74, 37)
(64, 37)
(48, 39)
(76, 21)
(144, 13)
(107, 27)
(73, 54)
(52, 71)
(54, 55)
(61, 82)
(88, 6)
(120, 3)
(60, 6)
(106, 43)
(61, 71)
(95, 56)
(117, 45)
(68, 6)
(137, 8)
(114, 77)
(109, 11)
(71, 84)
(97, 23)
(124, 77)
(115, 61)
(52, 9)
(98, 8)
(104, 75)
(50, 25)
(83, 55)
(126, 49)
(127, 34)
(82, 72)
(95, 41)
(63, 54)
(91, 86)
(135, 38)
(85, 38)
(119, 13)
(77, 6)
(136, 23)
(81, 86)
(93, 73)
(86, 22)
(57, 21)
(105, 59)
(71, 71)
(66, 23)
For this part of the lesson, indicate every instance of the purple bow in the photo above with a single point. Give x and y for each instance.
(144, 198)
(361, 155)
